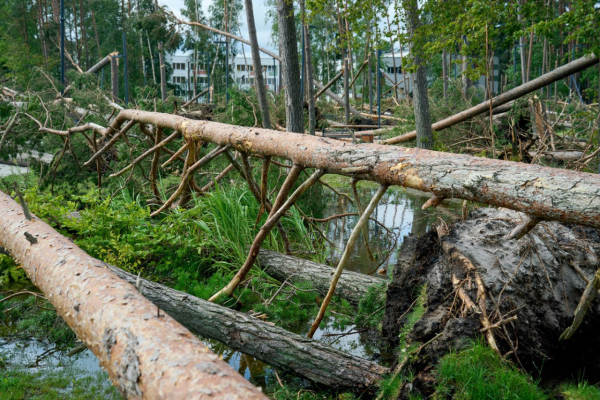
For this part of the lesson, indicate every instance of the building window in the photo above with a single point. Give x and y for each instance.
(179, 66)
(179, 79)
(390, 70)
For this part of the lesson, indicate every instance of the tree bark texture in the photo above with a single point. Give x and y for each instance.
(352, 286)
(328, 84)
(337, 99)
(261, 90)
(146, 353)
(275, 346)
(114, 78)
(289, 62)
(542, 192)
(312, 123)
(419, 78)
(513, 94)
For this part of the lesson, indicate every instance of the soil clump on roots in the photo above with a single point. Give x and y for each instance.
(537, 279)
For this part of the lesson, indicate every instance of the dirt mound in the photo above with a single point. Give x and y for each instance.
(534, 278)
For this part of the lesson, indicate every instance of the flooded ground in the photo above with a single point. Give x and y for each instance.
(398, 214)
(6, 170)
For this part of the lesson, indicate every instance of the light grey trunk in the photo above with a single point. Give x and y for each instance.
(352, 286)
(261, 90)
(114, 78)
(346, 91)
(163, 73)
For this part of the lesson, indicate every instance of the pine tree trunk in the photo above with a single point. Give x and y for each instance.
(259, 81)
(419, 78)
(291, 73)
(163, 74)
(84, 35)
(312, 123)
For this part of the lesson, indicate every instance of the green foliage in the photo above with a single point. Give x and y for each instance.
(10, 271)
(25, 317)
(579, 391)
(478, 373)
(51, 383)
(371, 307)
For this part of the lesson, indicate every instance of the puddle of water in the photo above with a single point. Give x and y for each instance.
(6, 170)
(398, 214)
(37, 354)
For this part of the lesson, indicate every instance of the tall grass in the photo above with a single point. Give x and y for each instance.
(478, 373)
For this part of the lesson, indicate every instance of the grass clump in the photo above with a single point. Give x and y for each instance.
(478, 373)
(54, 384)
(579, 391)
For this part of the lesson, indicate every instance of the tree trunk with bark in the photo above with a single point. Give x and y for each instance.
(145, 352)
(114, 78)
(259, 81)
(543, 192)
(419, 81)
(312, 122)
(163, 73)
(291, 74)
(352, 286)
(275, 346)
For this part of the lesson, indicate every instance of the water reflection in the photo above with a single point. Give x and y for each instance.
(397, 215)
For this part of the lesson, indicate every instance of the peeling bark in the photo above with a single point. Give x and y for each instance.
(546, 193)
(146, 354)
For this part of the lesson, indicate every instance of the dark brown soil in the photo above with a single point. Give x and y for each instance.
(532, 278)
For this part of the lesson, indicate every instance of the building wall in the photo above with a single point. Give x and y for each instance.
(240, 69)
(387, 62)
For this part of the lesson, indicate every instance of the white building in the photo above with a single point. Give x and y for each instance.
(388, 60)
(184, 74)
(241, 72)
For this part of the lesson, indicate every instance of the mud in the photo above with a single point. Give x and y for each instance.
(532, 278)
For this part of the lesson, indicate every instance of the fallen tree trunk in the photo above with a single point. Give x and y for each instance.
(96, 68)
(569, 155)
(520, 91)
(519, 294)
(542, 192)
(352, 286)
(337, 98)
(328, 84)
(275, 346)
(146, 353)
